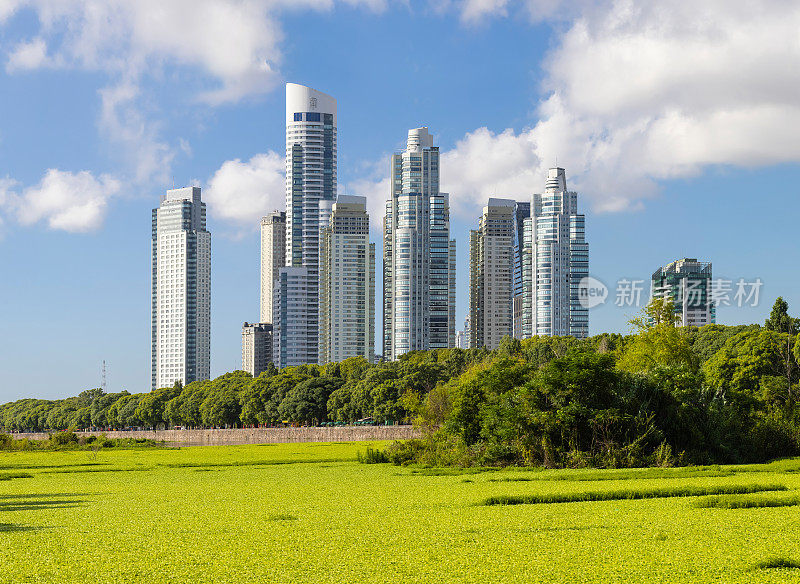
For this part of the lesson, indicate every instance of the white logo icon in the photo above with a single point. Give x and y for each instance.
(591, 292)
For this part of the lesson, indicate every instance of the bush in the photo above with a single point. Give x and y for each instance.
(373, 456)
(65, 438)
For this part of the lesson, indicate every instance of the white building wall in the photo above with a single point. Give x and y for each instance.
(181, 290)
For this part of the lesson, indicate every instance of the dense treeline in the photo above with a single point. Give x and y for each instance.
(310, 394)
(665, 395)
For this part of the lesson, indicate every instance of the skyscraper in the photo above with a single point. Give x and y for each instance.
(558, 258)
(491, 290)
(347, 283)
(310, 179)
(292, 323)
(522, 276)
(687, 282)
(273, 258)
(181, 289)
(418, 255)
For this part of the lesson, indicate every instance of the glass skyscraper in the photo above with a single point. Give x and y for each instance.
(556, 255)
(522, 211)
(310, 181)
(687, 282)
(418, 254)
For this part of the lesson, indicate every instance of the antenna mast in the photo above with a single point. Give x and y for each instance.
(103, 376)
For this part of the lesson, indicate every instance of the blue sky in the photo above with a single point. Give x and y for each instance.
(676, 125)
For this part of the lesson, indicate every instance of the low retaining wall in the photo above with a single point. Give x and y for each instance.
(256, 435)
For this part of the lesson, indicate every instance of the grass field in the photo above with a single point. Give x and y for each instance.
(311, 513)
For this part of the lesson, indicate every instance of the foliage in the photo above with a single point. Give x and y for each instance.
(286, 513)
(665, 396)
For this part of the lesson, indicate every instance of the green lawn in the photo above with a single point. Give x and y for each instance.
(311, 513)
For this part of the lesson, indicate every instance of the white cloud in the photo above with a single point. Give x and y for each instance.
(28, 55)
(235, 43)
(640, 92)
(484, 164)
(7, 8)
(242, 192)
(74, 202)
(123, 123)
(222, 50)
(475, 10)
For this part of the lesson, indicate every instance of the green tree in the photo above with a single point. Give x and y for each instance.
(659, 342)
(307, 401)
(779, 319)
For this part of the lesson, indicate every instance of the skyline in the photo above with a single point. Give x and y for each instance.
(70, 283)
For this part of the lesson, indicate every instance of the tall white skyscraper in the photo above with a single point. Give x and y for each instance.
(418, 255)
(273, 258)
(347, 283)
(491, 258)
(181, 289)
(557, 260)
(310, 180)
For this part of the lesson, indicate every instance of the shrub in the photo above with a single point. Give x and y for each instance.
(372, 456)
(65, 438)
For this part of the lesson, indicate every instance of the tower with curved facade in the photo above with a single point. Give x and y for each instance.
(310, 184)
(556, 256)
(418, 254)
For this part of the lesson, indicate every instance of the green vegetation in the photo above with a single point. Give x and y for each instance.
(71, 441)
(660, 493)
(777, 562)
(663, 396)
(745, 502)
(312, 513)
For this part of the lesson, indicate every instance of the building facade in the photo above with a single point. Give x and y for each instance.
(556, 255)
(418, 254)
(491, 287)
(181, 289)
(256, 347)
(310, 178)
(292, 321)
(273, 258)
(461, 340)
(522, 274)
(687, 282)
(347, 283)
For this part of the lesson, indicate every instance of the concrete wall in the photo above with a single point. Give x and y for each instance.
(258, 435)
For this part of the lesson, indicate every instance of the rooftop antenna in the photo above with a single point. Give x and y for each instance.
(103, 385)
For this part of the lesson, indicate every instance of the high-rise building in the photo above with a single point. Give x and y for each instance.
(461, 340)
(310, 179)
(292, 322)
(522, 211)
(347, 283)
(256, 347)
(491, 290)
(418, 254)
(557, 255)
(273, 258)
(181, 289)
(687, 282)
